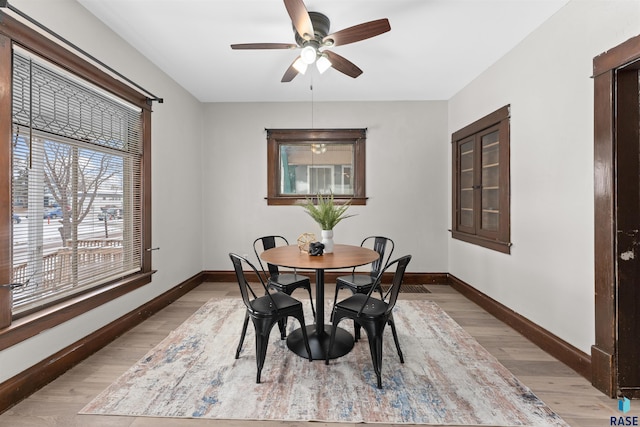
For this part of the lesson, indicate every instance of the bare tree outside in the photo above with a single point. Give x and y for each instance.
(74, 177)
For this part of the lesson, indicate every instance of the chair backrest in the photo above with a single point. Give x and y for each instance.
(401, 266)
(268, 242)
(382, 245)
(246, 290)
(392, 294)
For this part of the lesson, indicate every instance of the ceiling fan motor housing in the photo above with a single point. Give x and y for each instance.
(321, 24)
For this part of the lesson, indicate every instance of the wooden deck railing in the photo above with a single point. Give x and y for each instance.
(57, 266)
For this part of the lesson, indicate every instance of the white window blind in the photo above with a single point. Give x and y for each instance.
(76, 185)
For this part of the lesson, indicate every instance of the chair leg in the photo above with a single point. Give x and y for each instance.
(304, 334)
(356, 327)
(375, 345)
(313, 310)
(374, 334)
(395, 338)
(282, 325)
(332, 338)
(356, 331)
(242, 335)
(335, 300)
(263, 330)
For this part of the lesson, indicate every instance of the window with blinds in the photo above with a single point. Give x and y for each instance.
(76, 185)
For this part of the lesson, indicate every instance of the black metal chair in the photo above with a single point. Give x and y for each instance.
(282, 282)
(373, 315)
(362, 283)
(265, 311)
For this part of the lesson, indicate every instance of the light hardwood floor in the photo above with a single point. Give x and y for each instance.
(57, 404)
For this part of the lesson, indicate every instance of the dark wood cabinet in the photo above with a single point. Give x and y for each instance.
(481, 182)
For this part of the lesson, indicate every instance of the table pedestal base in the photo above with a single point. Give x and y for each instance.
(319, 342)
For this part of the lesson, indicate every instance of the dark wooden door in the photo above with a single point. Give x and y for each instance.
(615, 356)
(628, 231)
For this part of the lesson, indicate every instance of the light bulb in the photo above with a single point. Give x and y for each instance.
(308, 55)
(300, 66)
(323, 63)
(319, 148)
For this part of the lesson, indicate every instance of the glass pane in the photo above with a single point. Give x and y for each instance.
(466, 217)
(309, 169)
(490, 181)
(320, 179)
(465, 197)
(71, 215)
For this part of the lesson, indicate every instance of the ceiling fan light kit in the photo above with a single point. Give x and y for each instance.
(311, 31)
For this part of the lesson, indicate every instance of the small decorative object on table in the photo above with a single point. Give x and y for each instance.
(303, 241)
(316, 249)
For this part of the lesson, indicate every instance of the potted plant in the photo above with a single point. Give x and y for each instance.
(327, 214)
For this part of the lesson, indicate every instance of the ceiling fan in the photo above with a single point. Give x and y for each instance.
(311, 31)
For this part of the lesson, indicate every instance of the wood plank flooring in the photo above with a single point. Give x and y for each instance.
(57, 404)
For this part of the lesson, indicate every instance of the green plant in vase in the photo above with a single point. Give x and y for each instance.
(327, 214)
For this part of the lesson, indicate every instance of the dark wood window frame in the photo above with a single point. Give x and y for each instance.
(498, 239)
(14, 32)
(277, 137)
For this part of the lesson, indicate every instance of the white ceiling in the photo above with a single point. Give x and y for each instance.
(434, 48)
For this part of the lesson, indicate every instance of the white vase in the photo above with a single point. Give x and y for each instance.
(327, 241)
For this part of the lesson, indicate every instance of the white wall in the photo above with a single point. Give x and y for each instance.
(177, 206)
(406, 175)
(549, 276)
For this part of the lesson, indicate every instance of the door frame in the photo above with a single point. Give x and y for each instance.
(616, 210)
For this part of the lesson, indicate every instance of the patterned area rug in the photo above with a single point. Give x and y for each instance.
(447, 377)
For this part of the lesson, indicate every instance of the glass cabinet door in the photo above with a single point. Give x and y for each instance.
(490, 181)
(466, 184)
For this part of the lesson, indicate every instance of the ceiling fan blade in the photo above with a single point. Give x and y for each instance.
(342, 64)
(357, 33)
(290, 73)
(264, 46)
(300, 18)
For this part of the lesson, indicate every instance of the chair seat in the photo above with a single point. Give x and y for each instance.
(285, 304)
(286, 280)
(356, 281)
(374, 307)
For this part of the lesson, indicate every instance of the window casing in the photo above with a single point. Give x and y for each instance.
(480, 154)
(304, 162)
(63, 154)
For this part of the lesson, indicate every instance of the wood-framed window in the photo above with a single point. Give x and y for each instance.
(304, 162)
(73, 136)
(480, 182)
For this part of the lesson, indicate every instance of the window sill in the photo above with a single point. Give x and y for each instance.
(496, 245)
(35, 323)
(297, 200)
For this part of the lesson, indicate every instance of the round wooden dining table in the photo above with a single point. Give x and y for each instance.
(343, 256)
